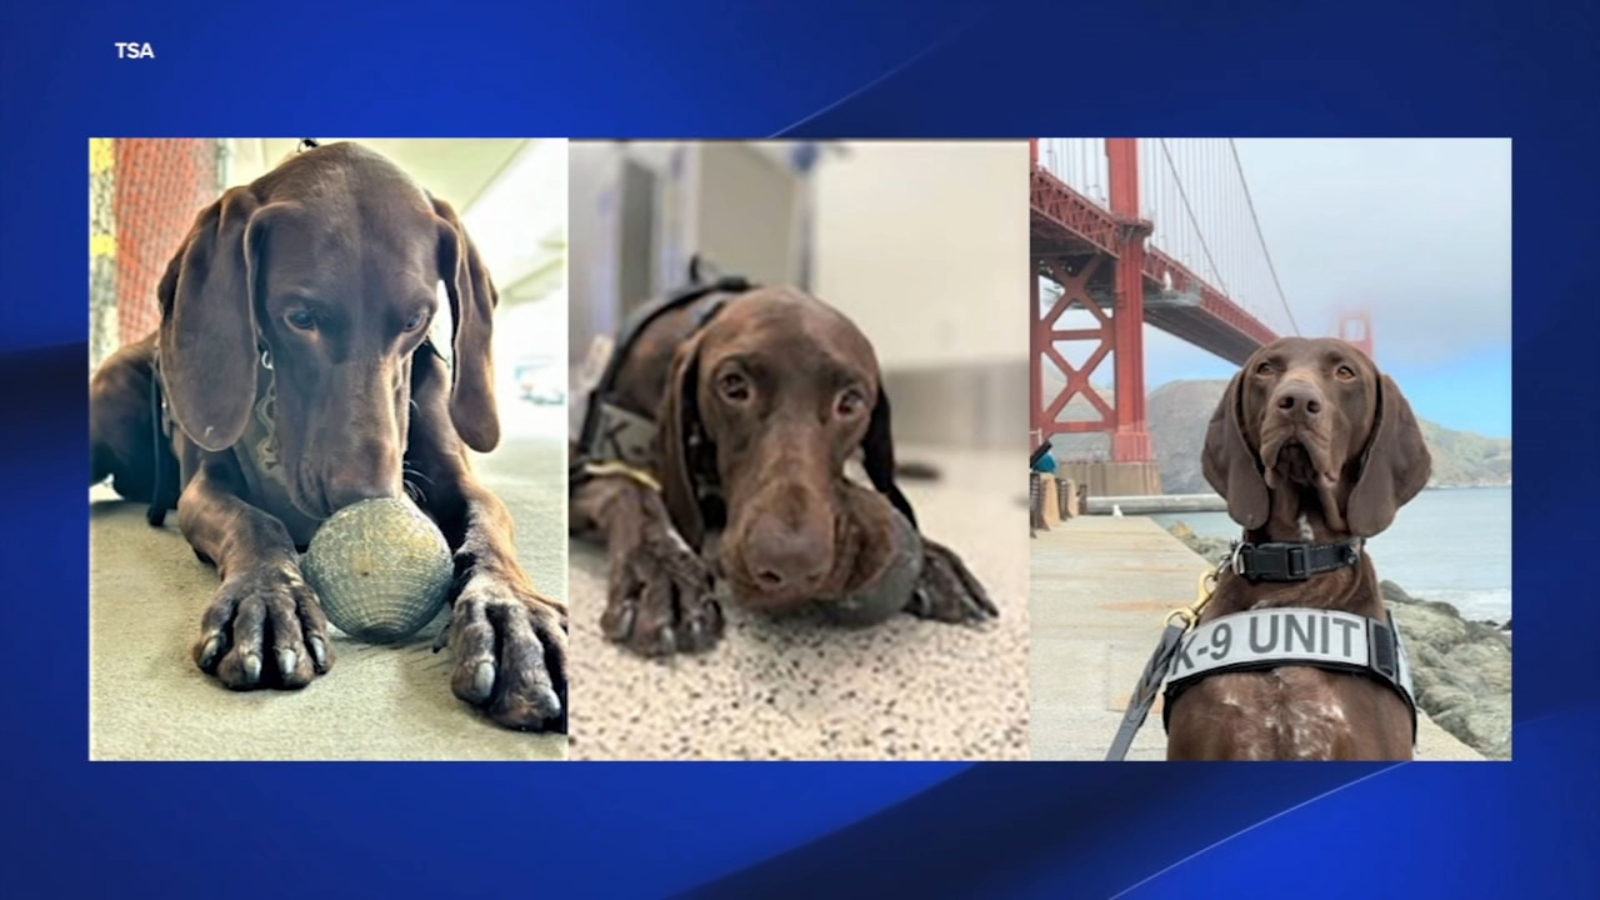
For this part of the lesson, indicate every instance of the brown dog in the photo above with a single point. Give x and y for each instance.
(757, 412)
(294, 360)
(1311, 444)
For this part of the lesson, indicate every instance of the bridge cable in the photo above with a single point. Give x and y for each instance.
(1261, 237)
(1184, 196)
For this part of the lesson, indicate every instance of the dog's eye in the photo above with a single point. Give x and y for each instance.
(1264, 369)
(850, 403)
(415, 322)
(734, 387)
(301, 319)
(1345, 373)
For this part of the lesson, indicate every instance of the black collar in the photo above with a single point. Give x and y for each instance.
(1291, 560)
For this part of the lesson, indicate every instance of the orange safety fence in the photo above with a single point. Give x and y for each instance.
(144, 196)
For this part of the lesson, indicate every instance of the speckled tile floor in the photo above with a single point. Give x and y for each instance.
(801, 689)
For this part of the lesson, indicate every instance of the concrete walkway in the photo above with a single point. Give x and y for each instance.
(1101, 588)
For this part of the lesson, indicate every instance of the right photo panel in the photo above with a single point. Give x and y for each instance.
(1270, 432)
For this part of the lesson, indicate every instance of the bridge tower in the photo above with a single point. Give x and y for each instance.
(1355, 327)
(1100, 270)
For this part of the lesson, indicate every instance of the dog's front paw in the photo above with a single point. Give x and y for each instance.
(947, 591)
(264, 628)
(509, 647)
(660, 601)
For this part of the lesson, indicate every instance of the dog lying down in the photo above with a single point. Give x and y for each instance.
(295, 373)
(717, 446)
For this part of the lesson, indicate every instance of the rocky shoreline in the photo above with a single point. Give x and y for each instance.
(1461, 669)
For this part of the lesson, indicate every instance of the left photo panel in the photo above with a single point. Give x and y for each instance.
(327, 390)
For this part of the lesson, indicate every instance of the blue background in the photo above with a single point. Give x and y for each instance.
(819, 69)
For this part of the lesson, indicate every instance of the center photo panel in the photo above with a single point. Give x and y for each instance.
(765, 563)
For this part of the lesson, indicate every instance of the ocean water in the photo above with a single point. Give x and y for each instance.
(1451, 545)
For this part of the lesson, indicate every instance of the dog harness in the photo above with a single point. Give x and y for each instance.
(1265, 639)
(1261, 639)
(614, 440)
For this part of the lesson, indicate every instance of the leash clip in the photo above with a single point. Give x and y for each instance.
(1189, 616)
(1155, 672)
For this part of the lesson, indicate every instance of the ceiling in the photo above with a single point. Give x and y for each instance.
(510, 193)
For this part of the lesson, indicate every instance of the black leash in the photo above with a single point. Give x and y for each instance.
(156, 515)
(164, 486)
(1149, 688)
(1038, 454)
(1179, 623)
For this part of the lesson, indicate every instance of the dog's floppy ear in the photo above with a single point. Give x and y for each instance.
(1230, 466)
(877, 457)
(683, 451)
(472, 304)
(208, 329)
(1394, 468)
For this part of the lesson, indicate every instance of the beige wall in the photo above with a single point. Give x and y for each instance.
(925, 245)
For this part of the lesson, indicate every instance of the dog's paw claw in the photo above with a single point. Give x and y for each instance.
(483, 681)
(250, 668)
(661, 602)
(319, 654)
(208, 653)
(509, 648)
(264, 628)
(666, 642)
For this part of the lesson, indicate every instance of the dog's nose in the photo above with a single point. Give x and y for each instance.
(783, 558)
(1299, 399)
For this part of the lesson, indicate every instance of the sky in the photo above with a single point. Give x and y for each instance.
(1417, 230)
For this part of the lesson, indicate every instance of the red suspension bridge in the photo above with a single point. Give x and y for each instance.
(1127, 231)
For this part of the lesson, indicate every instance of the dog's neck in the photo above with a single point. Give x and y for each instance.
(1296, 515)
(1352, 589)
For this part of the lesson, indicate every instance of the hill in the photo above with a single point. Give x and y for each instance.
(1179, 411)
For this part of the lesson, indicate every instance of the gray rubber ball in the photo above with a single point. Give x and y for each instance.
(888, 591)
(381, 568)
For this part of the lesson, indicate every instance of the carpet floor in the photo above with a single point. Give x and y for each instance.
(148, 701)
